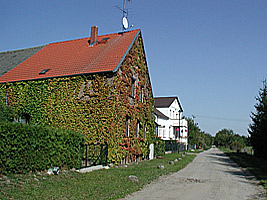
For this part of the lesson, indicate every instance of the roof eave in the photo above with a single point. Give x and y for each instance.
(52, 77)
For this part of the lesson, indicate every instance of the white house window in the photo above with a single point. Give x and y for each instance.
(160, 132)
(164, 133)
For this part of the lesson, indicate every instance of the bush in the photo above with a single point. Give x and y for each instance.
(236, 146)
(159, 146)
(34, 148)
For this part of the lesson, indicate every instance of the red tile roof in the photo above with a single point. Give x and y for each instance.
(74, 57)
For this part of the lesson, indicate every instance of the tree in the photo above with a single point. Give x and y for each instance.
(196, 136)
(227, 138)
(223, 138)
(258, 127)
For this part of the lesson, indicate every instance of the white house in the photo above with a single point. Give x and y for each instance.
(169, 120)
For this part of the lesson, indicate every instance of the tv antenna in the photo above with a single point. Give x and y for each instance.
(125, 23)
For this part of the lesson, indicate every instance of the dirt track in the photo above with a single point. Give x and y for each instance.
(212, 175)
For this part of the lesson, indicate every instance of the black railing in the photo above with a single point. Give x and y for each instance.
(95, 154)
(172, 146)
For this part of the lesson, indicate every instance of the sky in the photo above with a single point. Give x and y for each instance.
(211, 54)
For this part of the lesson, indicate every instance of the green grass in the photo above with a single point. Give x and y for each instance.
(101, 184)
(255, 165)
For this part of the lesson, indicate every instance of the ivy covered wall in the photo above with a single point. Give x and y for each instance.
(98, 105)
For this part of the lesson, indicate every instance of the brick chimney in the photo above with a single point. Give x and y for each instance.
(94, 32)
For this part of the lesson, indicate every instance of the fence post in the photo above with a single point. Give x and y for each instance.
(101, 153)
(106, 153)
(86, 156)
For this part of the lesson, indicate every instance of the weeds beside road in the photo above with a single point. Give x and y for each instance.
(255, 165)
(101, 184)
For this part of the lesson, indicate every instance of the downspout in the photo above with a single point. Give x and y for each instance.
(6, 95)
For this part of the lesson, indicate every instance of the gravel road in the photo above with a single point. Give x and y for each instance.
(211, 175)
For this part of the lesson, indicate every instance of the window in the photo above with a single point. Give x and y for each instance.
(144, 134)
(160, 132)
(164, 133)
(133, 89)
(141, 95)
(127, 126)
(137, 128)
(24, 119)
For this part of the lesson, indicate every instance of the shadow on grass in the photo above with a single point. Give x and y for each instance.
(255, 165)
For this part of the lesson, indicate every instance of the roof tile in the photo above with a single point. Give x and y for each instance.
(73, 57)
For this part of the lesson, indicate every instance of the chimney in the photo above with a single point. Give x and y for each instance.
(94, 32)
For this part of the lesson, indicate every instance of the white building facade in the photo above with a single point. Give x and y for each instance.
(169, 120)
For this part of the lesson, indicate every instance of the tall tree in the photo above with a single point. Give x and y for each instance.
(258, 127)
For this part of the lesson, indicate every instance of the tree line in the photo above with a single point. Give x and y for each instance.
(228, 139)
(198, 137)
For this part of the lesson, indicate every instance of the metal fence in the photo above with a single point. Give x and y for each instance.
(95, 154)
(192, 147)
(248, 150)
(172, 146)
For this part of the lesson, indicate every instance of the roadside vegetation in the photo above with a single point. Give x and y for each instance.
(226, 138)
(197, 137)
(110, 183)
(255, 165)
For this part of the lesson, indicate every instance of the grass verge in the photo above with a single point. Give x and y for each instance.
(101, 184)
(255, 165)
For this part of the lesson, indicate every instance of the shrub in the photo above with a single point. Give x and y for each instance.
(236, 146)
(159, 146)
(34, 148)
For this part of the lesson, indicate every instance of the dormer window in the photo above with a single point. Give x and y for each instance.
(44, 71)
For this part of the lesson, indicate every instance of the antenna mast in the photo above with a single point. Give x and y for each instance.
(125, 24)
(123, 8)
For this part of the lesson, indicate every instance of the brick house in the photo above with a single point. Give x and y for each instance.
(98, 85)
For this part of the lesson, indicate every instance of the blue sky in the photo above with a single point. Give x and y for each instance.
(212, 54)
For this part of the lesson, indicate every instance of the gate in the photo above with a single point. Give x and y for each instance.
(95, 154)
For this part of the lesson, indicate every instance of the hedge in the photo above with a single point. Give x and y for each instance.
(25, 148)
(159, 146)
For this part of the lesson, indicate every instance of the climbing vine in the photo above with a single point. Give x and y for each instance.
(96, 105)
